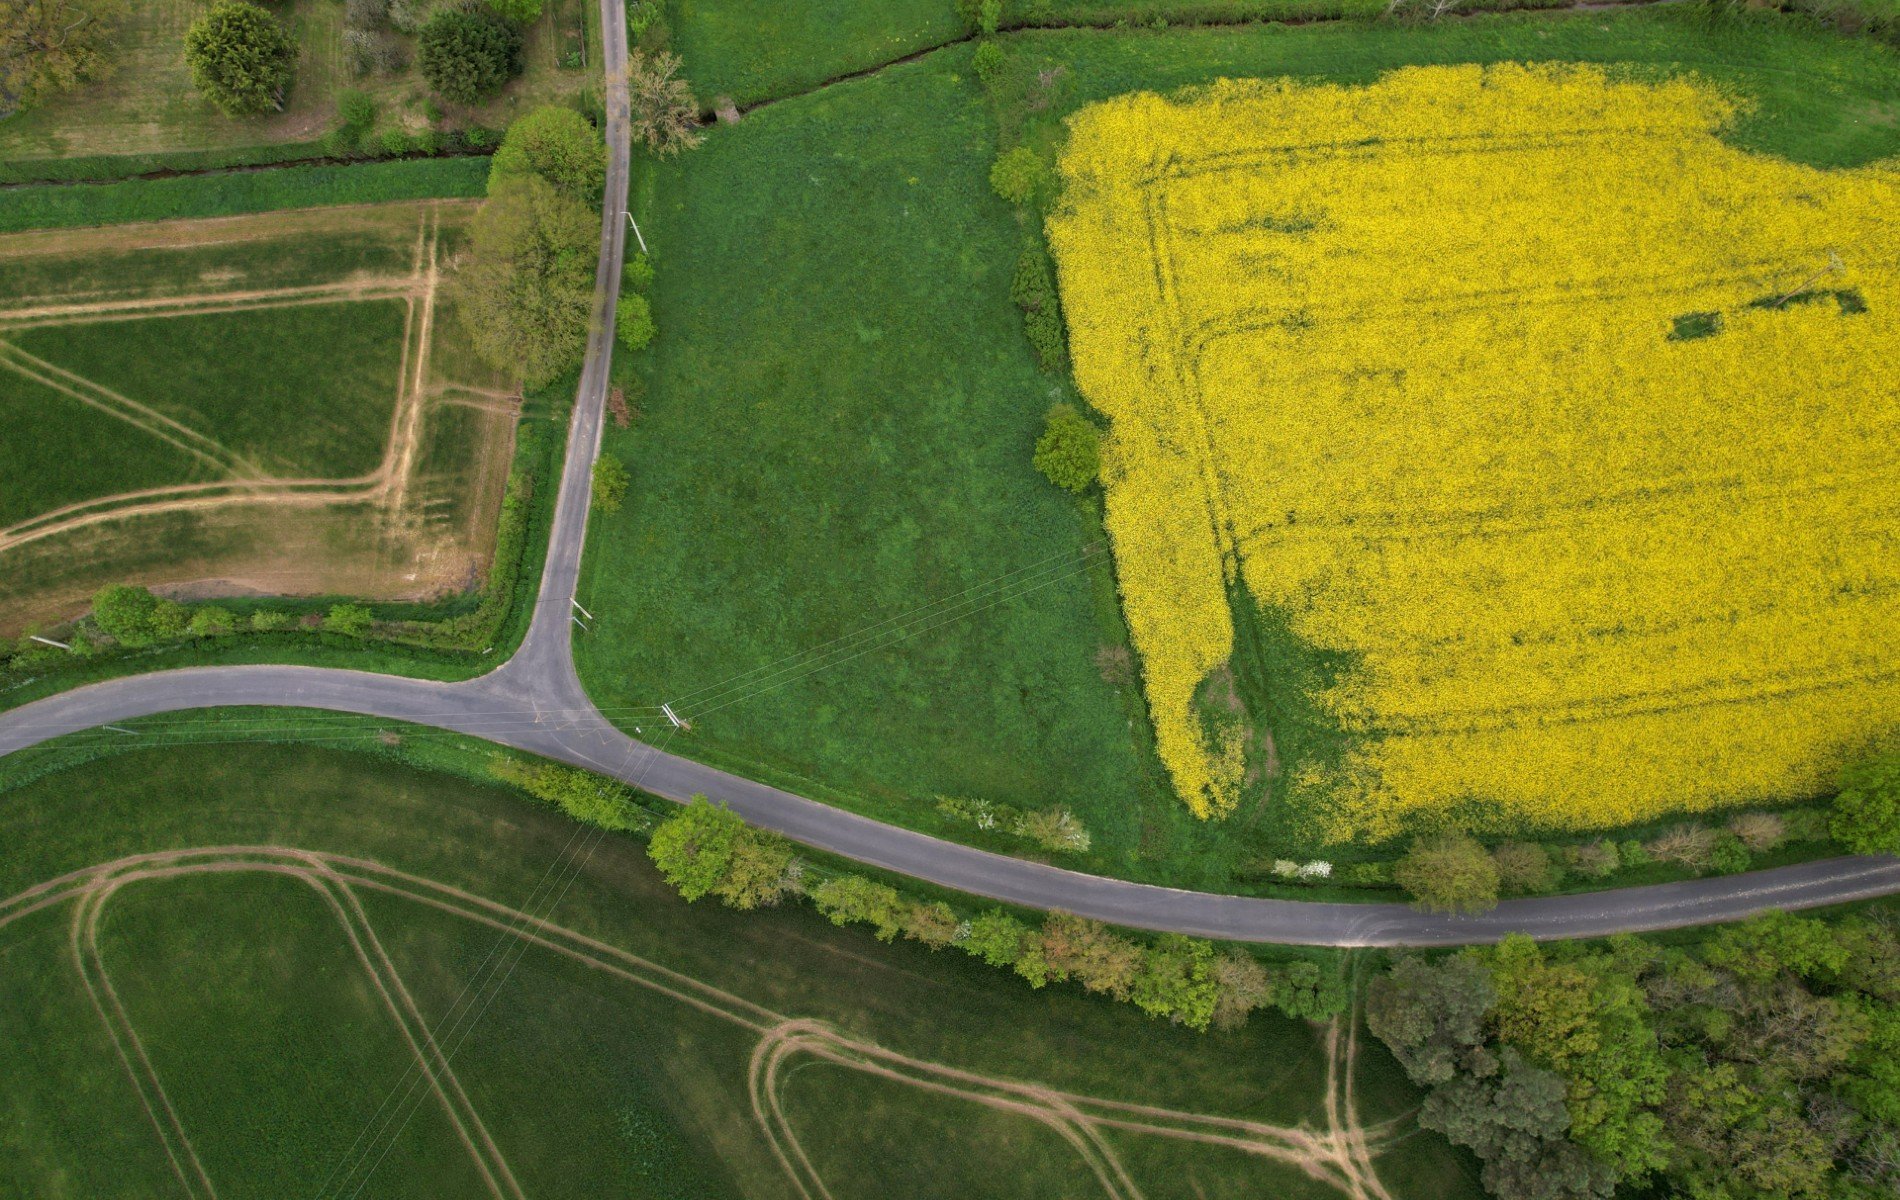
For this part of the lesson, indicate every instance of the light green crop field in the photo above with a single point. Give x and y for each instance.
(275, 924)
(146, 112)
(275, 398)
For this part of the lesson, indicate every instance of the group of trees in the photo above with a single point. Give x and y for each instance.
(526, 288)
(1758, 1064)
(589, 798)
(706, 850)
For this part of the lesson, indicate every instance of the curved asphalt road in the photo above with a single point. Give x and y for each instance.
(534, 702)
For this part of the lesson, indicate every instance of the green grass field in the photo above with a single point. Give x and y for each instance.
(867, 455)
(618, 1070)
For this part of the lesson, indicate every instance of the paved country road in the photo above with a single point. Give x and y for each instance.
(534, 702)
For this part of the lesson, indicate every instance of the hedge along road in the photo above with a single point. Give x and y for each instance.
(534, 702)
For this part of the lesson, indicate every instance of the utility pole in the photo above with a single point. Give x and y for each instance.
(49, 641)
(1834, 263)
(636, 231)
(674, 717)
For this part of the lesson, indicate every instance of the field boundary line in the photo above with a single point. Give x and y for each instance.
(194, 304)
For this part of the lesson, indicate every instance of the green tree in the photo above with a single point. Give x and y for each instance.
(133, 616)
(1866, 815)
(1176, 979)
(1448, 872)
(693, 848)
(1018, 175)
(1084, 950)
(1512, 1116)
(1305, 991)
(933, 923)
(1433, 1017)
(240, 57)
(1069, 452)
(610, 483)
(467, 53)
(51, 46)
(559, 145)
(760, 871)
(527, 289)
(853, 898)
(633, 322)
(997, 938)
(1243, 985)
(1524, 867)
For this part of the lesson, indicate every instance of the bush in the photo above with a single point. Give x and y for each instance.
(1633, 854)
(981, 15)
(350, 620)
(853, 898)
(1524, 867)
(521, 12)
(1760, 832)
(355, 110)
(466, 54)
(633, 322)
(267, 620)
(589, 798)
(1728, 855)
(1685, 845)
(560, 146)
(1448, 873)
(610, 483)
(1592, 860)
(1867, 811)
(393, 142)
(1018, 175)
(934, 924)
(987, 60)
(240, 57)
(1054, 829)
(133, 616)
(637, 273)
(1069, 452)
(211, 621)
(373, 52)
(1367, 874)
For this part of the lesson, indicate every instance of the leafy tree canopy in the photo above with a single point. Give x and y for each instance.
(467, 53)
(1069, 452)
(527, 289)
(240, 57)
(1867, 810)
(559, 145)
(1448, 873)
(50, 46)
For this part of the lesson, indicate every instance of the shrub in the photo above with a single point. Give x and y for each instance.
(610, 483)
(1303, 991)
(1592, 860)
(429, 141)
(1524, 867)
(521, 12)
(665, 115)
(1760, 832)
(409, 15)
(1867, 811)
(1044, 327)
(1727, 854)
(633, 322)
(934, 924)
(240, 57)
(589, 798)
(133, 616)
(351, 620)
(266, 620)
(1367, 874)
(393, 142)
(637, 273)
(981, 15)
(1632, 854)
(560, 146)
(364, 14)
(1018, 175)
(1448, 873)
(1686, 845)
(355, 110)
(467, 53)
(1054, 829)
(987, 61)
(211, 621)
(478, 137)
(853, 898)
(1069, 452)
(641, 14)
(373, 52)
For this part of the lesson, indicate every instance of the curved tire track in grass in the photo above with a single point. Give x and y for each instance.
(1338, 1155)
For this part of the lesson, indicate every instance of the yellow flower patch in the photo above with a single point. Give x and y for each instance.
(1476, 375)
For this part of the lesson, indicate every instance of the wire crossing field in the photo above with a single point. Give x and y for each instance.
(274, 400)
(1489, 383)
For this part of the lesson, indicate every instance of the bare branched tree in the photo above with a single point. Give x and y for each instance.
(665, 115)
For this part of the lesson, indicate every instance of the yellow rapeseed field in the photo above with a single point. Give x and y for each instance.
(1404, 360)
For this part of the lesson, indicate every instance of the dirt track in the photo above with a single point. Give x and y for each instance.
(1340, 1155)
